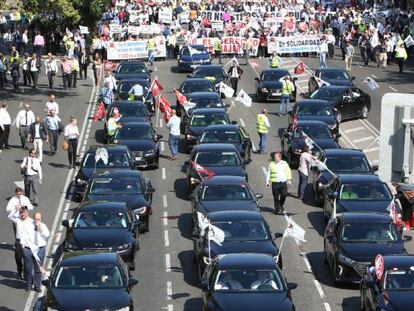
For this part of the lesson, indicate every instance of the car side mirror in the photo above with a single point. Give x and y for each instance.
(374, 167)
(234, 122)
(158, 137)
(291, 286)
(46, 282)
(65, 223)
(132, 282)
(227, 105)
(150, 190)
(278, 235)
(331, 238)
(407, 238)
(257, 79)
(258, 195)
(352, 78)
(149, 70)
(137, 223)
(77, 163)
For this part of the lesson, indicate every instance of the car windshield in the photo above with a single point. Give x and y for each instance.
(132, 68)
(248, 281)
(229, 137)
(202, 72)
(226, 193)
(199, 50)
(243, 230)
(207, 119)
(315, 131)
(101, 219)
(348, 164)
(217, 158)
(369, 232)
(399, 279)
(115, 160)
(126, 86)
(373, 191)
(134, 133)
(110, 186)
(90, 276)
(207, 102)
(192, 87)
(327, 93)
(274, 76)
(313, 110)
(131, 110)
(335, 75)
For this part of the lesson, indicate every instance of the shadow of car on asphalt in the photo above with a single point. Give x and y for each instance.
(193, 304)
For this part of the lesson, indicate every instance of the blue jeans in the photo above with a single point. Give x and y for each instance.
(303, 182)
(173, 141)
(32, 272)
(262, 142)
(284, 104)
(322, 60)
(151, 56)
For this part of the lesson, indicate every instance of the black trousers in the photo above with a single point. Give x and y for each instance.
(233, 83)
(18, 252)
(400, 61)
(53, 140)
(83, 71)
(67, 80)
(34, 75)
(51, 79)
(279, 191)
(74, 78)
(4, 136)
(73, 146)
(27, 79)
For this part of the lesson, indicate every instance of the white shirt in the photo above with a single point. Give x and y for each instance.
(71, 131)
(111, 82)
(51, 65)
(258, 283)
(4, 118)
(174, 125)
(33, 66)
(25, 38)
(137, 90)
(33, 166)
(29, 236)
(305, 162)
(323, 47)
(13, 207)
(21, 119)
(50, 106)
(37, 131)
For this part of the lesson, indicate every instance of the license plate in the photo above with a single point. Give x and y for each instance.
(276, 94)
(138, 158)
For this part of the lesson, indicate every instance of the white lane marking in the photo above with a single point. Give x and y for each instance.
(374, 76)
(327, 306)
(371, 149)
(264, 171)
(166, 239)
(162, 146)
(165, 219)
(58, 235)
(242, 122)
(170, 308)
(164, 200)
(355, 129)
(64, 216)
(376, 161)
(169, 290)
(161, 123)
(392, 88)
(254, 68)
(306, 260)
(163, 173)
(359, 66)
(167, 263)
(349, 143)
(155, 68)
(359, 140)
(369, 126)
(67, 205)
(60, 228)
(319, 288)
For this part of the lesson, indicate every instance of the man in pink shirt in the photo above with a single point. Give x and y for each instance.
(39, 43)
(305, 161)
(67, 72)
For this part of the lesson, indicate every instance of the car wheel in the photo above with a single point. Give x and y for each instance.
(325, 254)
(325, 214)
(364, 112)
(156, 164)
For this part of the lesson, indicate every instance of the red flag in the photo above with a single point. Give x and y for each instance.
(396, 217)
(156, 87)
(100, 112)
(180, 97)
(163, 104)
(295, 121)
(299, 69)
(201, 169)
(167, 115)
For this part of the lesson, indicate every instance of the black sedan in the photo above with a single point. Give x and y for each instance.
(119, 157)
(132, 69)
(229, 134)
(333, 76)
(269, 84)
(200, 119)
(318, 110)
(352, 240)
(338, 161)
(142, 141)
(208, 160)
(87, 280)
(191, 85)
(244, 232)
(244, 282)
(131, 187)
(213, 73)
(124, 86)
(103, 226)
(295, 138)
(350, 102)
(394, 290)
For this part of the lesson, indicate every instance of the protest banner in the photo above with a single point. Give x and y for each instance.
(229, 45)
(293, 44)
(184, 18)
(83, 30)
(133, 30)
(165, 15)
(218, 26)
(215, 16)
(113, 28)
(133, 49)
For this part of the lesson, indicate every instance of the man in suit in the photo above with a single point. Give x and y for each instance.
(34, 67)
(37, 135)
(234, 73)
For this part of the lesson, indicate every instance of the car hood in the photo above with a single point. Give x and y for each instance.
(84, 299)
(215, 206)
(329, 143)
(138, 145)
(125, 76)
(270, 84)
(86, 173)
(133, 201)
(227, 170)
(252, 301)
(400, 300)
(362, 206)
(99, 238)
(327, 119)
(228, 247)
(196, 130)
(366, 252)
(339, 82)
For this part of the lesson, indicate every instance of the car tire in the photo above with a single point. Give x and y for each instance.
(325, 215)
(131, 265)
(364, 112)
(316, 199)
(200, 270)
(325, 254)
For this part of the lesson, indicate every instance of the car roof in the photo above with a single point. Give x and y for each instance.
(135, 80)
(204, 94)
(395, 261)
(311, 122)
(215, 147)
(270, 70)
(313, 102)
(343, 152)
(127, 102)
(359, 178)
(245, 261)
(235, 215)
(225, 180)
(209, 110)
(331, 69)
(365, 216)
(110, 148)
(223, 127)
(119, 173)
(196, 80)
(79, 258)
(101, 205)
(144, 123)
(210, 66)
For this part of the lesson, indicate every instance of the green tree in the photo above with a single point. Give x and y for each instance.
(90, 10)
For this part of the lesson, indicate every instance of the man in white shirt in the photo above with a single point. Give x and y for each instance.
(51, 69)
(174, 126)
(37, 135)
(52, 105)
(265, 280)
(23, 120)
(305, 161)
(136, 92)
(323, 51)
(18, 250)
(14, 205)
(110, 79)
(33, 238)
(32, 171)
(5, 122)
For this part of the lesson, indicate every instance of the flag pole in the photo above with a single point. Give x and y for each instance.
(209, 240)
(157, 107)
(280, 247)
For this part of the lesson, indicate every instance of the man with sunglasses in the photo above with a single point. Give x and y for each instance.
(32, 171)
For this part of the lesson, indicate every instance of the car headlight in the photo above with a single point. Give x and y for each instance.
(180, 61)
(150, 152)
(264, 90)
(81, 181)
(123, 309)
(193, 180)
(332, 126)
(345, 259)
(124, 246)
(188, 136)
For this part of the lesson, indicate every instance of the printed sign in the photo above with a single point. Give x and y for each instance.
(133, 49)
(115, 28)
(294, 44)
(229, 45)
(165, 15)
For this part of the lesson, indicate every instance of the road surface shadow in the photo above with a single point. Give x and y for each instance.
(193, 304)
(317, 221)
(180, 189)
(189, 268)
(185, 225)
(351, 303)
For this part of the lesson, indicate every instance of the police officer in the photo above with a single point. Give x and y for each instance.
(287, 90)
(274, 60)
(217, 49)
(262, 126)
(152, 48)
(400, 55)
(279, 176)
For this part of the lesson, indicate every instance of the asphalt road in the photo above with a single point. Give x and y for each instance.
(165, 267)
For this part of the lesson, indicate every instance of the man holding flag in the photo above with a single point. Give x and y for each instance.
(174, 126)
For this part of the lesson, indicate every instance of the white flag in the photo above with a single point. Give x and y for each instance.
(409, 41)
(294, 231)
(188, 105)
(202, 222)
(309, 141)
(193, 51)
(244, 98)
(215, 234)
(225, 89)
(101, 154)
(230, 62)
(372, 84)
(321, 82)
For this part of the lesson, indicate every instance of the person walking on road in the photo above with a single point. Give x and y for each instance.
(54, 127)
(84, 63)
(15, 73)
(279, 176)
(274, 60)
(247, 49)
(174, 126)
(34, 67)
(51, 69)
(234, 73)
(72, 138)
(5, 122)
(349, 54)
(52, 105)
(305, 161)
(66, 73)
(323, 52)
(287, 90)
(33, 238)
(18, 250)
(107, 95)
(75, 70)
(37, 135)
(23, 120)
(32, 172)
(400, 56)
(96, 67)
(262, 126)
(27, 79)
